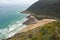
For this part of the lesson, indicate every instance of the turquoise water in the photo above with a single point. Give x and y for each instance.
(9, 15)
(11, 19)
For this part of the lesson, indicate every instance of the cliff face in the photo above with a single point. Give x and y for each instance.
(46, 7)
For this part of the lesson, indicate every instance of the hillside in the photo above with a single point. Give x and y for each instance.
(42, 9)
(47, 32)
(48, 7)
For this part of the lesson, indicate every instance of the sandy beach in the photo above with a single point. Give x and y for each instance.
(38, 24)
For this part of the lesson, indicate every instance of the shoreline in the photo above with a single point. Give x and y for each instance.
(14, 30)
(34, 24)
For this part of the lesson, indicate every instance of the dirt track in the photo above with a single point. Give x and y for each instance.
(39, 23)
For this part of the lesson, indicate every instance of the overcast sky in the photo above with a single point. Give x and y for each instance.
(18, 1)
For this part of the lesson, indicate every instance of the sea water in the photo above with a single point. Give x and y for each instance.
(11, 20)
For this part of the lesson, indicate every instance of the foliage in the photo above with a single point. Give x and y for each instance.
(47, 32)
(47, 8)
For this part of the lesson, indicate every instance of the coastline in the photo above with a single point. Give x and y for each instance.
(32, 23)
(40, 23)
(14, 29)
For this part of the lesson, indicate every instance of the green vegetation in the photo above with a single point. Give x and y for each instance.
(47, 32)
(46, 8)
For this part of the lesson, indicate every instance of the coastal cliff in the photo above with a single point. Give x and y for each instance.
(45, 7)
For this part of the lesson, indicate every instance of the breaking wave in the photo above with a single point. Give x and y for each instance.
(13, 29)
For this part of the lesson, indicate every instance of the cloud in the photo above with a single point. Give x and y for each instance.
(18, 1)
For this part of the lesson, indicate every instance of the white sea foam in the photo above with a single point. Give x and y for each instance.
(17, 30)
(13, 29)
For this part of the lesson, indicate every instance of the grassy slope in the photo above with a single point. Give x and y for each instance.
(47, 32)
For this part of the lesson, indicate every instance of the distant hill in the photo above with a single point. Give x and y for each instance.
(46, 7)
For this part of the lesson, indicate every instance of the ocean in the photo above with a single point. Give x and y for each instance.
(11, 20)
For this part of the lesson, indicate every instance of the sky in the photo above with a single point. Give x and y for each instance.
(18, 1)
